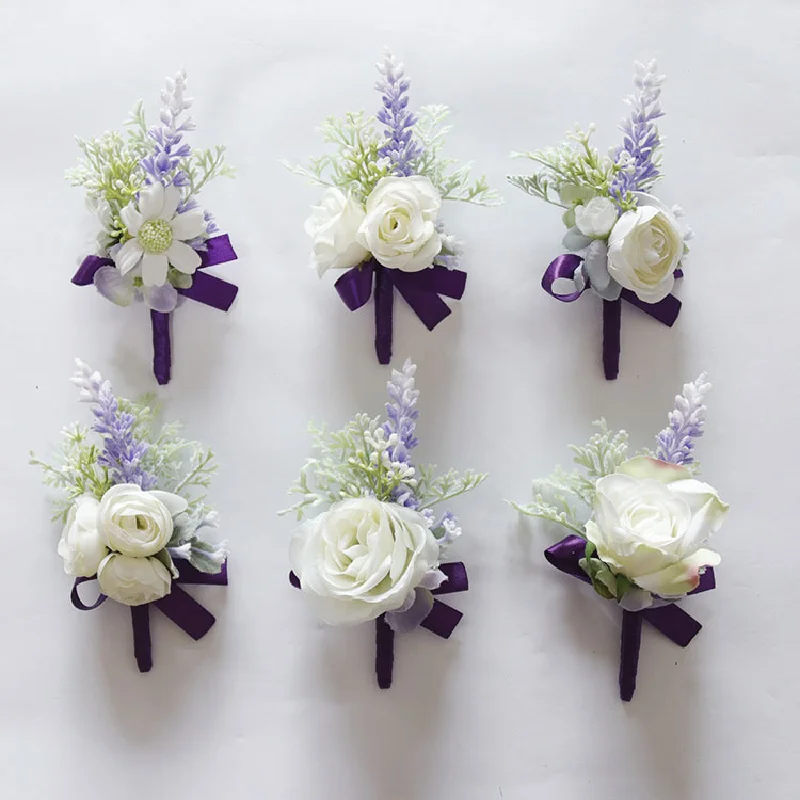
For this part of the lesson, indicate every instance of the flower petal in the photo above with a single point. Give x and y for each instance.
(131, 218)
(128, 256)
(183, 258)
(174, 502)
(172, 198)
(679, 579)
(162, 298)
(154, 269)
(114, 286)
(641, 467)
(151, 201)
(189, 224)
(408, 620)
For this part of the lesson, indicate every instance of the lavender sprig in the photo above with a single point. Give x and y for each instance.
(164, 164)
(401, 414)
(639, 154)
(686, 422)
(122, 452)
(400, 147)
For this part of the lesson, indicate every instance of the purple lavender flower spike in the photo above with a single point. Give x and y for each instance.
(641, 140)
(122, 452)
(676, 442)
(400, 147)
(401, 419)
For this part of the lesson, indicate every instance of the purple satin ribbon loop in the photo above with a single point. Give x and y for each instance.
(178, 605)
(670, 620)
(85, 274)
(565, 266)
(75, 597)
(206, 289)
(420, 290)
(457, 580)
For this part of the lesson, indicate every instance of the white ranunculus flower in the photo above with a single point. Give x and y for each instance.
(361, 558)
(333, 226)
(596, 218)
(81, 546)
(645, 248)
(133, 581)
(650, 521)
(159, 235)
(137, 523)
(400, 226)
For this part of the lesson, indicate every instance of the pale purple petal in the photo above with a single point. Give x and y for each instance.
(404, 621)
(114, 286)
(161, 298)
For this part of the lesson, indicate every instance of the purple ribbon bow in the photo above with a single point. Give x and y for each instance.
(178, 605)
(441, 619)
(671, 620)
(665, 311)
(206, 289)
(420, 290)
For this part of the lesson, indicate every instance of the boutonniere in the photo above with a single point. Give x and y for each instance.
(133, 510)
(379, 216)
(375, 552)
(155, 239)
(623, 243)
(638, 526)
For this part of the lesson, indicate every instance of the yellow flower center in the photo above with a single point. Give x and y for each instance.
(155, 235)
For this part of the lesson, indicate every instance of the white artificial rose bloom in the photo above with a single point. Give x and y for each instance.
(361, 558)
(333, 226)
(645, 248)
(650, 521)
(137, 523)
(81, 546)
(596, 218)
(400, 226)
(133, 581)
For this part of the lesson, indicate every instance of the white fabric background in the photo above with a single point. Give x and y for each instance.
(522, 702)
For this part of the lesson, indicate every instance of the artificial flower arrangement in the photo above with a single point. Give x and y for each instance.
(155, 239)
(379, 216)
(133, 510)
(638, 525)
(623, 243)
(375, 551)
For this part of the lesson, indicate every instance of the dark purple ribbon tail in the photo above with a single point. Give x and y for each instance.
(186, 612)
(629, 653)
(384, 652)
(142, 651)
(612, 322)
(384, 314)
(162, 347)
(665, 311)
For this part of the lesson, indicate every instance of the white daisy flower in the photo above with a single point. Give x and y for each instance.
(159, 235)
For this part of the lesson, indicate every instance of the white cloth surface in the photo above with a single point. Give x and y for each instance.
(522, 701)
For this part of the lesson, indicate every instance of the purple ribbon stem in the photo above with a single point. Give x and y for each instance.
(670, 620)
(629, 653)
(178, 606)
(206, 289)
(162, 346)
(612, 314)
(384, 652)
(421, 290)
(441, 620)
(140, 617)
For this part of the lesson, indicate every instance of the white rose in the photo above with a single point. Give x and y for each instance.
(645, 248)
(596, 218)
(361, 558)
(333, 226)
(650, 520)
(133, 581)
(399, 229)
(137, 523)
(81, 546)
